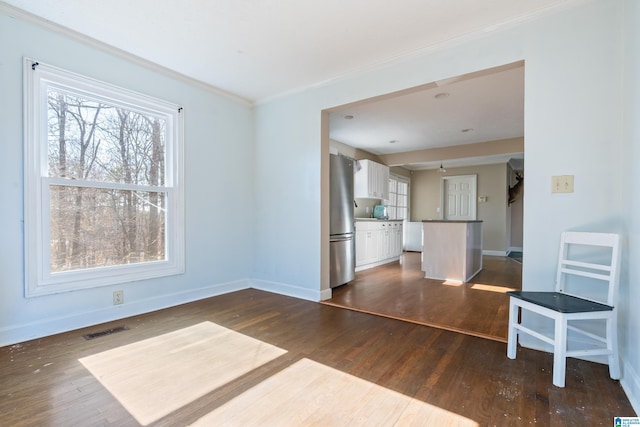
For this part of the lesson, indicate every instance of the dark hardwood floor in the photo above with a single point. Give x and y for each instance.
(400, 291)
(43, 383)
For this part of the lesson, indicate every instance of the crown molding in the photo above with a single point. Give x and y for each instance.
(435, 47)
(25, 16)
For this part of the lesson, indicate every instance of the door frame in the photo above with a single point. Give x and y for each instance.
(473, 179)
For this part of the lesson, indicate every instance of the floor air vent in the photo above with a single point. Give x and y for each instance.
(106, 332)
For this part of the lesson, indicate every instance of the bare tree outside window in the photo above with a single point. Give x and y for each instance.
(92, 142)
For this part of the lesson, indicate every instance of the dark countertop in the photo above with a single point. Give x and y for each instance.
(451, 221)
(376, 219)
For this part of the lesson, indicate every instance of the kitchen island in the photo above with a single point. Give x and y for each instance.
(451, 250)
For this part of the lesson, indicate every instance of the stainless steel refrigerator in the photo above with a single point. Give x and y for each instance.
(342, 244)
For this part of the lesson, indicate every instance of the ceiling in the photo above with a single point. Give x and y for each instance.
(481, 107)
(258, 50)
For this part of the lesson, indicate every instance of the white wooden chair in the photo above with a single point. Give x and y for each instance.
(580, 271)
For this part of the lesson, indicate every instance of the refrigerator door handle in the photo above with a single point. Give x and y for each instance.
(340, 239)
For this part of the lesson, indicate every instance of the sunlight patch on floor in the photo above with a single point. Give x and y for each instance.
(309, 393)
(451, 282)
(154, 377)
(491, 288)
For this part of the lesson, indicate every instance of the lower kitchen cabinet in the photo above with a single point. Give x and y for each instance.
(366, 245)
(377, 242)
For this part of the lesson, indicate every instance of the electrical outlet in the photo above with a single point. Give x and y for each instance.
(118, 297)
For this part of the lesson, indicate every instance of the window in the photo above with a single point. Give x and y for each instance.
(103, 186)
(397, 205)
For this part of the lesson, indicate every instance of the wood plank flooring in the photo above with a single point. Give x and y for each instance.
(43, 382)
(400, 291)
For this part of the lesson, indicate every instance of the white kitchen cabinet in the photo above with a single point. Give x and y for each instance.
(371, 181)
(361, 245)
(377, 242)
(384, 247)
(396, 237)
(367, 239)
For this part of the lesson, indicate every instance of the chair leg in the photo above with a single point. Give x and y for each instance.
(560, 352)
(512, 334)
(612, 344)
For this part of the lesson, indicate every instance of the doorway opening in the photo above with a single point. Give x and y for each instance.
(478, 165)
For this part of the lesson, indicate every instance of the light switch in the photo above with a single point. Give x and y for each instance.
(562, 184)
(482, 199)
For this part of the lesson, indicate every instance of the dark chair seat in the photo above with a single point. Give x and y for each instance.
(578, 311)
(560, 302)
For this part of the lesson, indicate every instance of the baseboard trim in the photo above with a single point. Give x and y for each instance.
(494, 253)
(631, 385)
(377, 263)
(290, 290)
(46, 327)
(326, 294)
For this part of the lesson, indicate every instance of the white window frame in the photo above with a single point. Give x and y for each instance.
(39, 280)
(404, 180)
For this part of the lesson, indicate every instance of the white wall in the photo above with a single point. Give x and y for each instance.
(573, 110)
(630, 284)
(218, 176)
(287, 248)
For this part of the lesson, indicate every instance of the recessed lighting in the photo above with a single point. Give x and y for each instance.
(393, 141)
(441, 95)
(348, 117)
(466, 130)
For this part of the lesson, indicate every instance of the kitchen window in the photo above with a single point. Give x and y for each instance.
(397, 205)
(103, 183)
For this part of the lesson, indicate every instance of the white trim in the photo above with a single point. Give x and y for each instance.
(377, 263)
(289, 290)
(64, 182)
(514, 249)
(39, 280)
(405, 180)
(494, 253)
(46, 327)
(326, 294)
(630, 382)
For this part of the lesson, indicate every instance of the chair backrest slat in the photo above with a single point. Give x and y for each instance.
(608, 274)
(588, 238)
(604, 277)
(588, 265)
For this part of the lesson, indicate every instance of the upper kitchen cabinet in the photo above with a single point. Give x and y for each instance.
(371, 181)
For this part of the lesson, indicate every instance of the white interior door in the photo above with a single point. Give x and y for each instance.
(459, 194)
